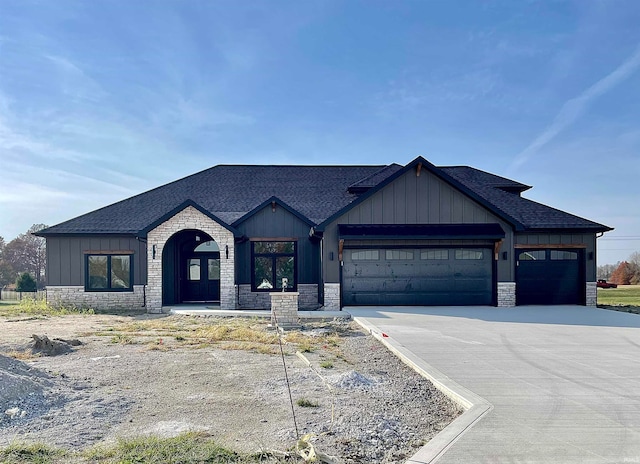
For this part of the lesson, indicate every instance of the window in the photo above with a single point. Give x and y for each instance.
(365, 255)
(533, 255)
(469, 254)
(559, 255)
(109, 273)
(398, 255)
(272, 262)
(434, 254)
(214, 269)
(207, 247)
(194, 269)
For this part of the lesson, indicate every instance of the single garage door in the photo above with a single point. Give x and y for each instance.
(417, 276)
(549, 276)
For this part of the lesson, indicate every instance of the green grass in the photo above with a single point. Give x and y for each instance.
(326, 364)
(223, 333)
(186, 448)
(305, 403)
(31, 453)
(36, 307)
(626, 295)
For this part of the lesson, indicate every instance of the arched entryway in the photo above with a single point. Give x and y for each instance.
(165, 246)
(191, 268)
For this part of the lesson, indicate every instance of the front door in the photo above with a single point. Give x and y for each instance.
(201, 278)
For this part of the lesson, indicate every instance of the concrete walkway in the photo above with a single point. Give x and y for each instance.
(554, 384)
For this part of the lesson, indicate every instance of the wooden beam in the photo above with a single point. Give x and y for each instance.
(273, 239)
(549, 246)
(418, 169)
(340, 249)
(496, 249)
(108, 252)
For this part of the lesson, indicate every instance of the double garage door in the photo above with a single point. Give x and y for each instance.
(417, 276)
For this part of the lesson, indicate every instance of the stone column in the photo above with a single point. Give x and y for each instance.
(592, 294)
(506, 294)
(284, 309)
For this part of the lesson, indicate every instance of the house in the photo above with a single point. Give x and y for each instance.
(341, 235)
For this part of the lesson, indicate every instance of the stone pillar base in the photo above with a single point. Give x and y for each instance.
(284, 310)
(591, 294)
(506, 294)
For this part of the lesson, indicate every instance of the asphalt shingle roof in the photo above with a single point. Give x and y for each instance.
(530, 214)
(231, 191)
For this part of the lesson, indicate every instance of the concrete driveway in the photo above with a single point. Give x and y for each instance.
(562, 383)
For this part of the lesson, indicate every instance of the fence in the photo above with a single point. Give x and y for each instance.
(12, 295)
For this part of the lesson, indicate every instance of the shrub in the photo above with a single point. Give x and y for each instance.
(305, 403)
(26, 283)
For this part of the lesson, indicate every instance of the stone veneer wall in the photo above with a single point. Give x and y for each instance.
(190, 218)
(592, 294)
(284, 309)
(331, 297)
(308, 296)
(307, 300)
(112, 301)
(252, 300)
(506, 294)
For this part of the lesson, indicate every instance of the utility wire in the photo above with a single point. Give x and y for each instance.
(286, 376)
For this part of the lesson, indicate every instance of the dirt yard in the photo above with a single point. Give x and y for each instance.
(163, 375)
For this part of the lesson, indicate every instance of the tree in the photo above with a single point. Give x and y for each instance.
(624, 274)
(634, 260)
(605, 271)
(27, 253)
(7, 274)
(25, 283)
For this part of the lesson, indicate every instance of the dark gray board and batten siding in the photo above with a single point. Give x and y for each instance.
(279, 223)
(66, 262)
(411, 199)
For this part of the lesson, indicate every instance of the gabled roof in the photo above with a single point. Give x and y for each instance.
(316, 194)
(227, 192)
(272, 201)
(374, 179)
(529, 214)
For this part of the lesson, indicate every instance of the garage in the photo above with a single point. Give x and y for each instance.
(417, 276)
(550, 276)
(418, 264)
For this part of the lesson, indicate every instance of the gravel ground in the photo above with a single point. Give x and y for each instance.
(369, 407)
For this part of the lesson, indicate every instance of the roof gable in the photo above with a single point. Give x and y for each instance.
(272, 201)
(169, 214)
(418, 165)
(229, 194)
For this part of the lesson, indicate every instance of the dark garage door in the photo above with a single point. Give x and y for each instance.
(549, 276)
(420, 276)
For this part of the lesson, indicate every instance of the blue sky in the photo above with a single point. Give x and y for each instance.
(100, 100)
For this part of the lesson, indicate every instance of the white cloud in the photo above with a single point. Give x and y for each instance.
(75, 82)
(574, 108)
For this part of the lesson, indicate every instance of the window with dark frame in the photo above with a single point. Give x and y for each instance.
(108, 273)
(271, 261)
